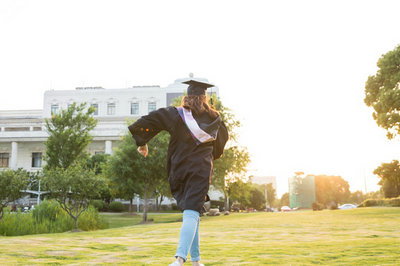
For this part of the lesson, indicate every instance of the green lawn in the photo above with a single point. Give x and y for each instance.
(367, 236)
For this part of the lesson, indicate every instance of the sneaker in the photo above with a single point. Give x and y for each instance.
(176, 263)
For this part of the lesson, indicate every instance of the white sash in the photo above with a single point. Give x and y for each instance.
(194, 128)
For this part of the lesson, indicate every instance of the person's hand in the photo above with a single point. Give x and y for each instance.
(143, 150)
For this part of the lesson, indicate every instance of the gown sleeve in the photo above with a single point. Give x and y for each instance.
(219, 143)
(146, 127)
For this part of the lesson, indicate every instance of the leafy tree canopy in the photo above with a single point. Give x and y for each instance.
(73, 188)
(68, 136)
(382, 92)
(12, 182)
(390, 178)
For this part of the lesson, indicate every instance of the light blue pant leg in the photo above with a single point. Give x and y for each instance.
(195, 248)
(188, 232)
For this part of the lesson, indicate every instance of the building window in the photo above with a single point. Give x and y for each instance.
(4, 159)
(111, 109)
(152, 106)
(96, 108)
(54, 109)
(134, 108)
(37, 159)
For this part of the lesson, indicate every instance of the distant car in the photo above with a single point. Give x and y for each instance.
(285, 209)
(347, 206)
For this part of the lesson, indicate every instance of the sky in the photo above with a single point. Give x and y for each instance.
(293, 72)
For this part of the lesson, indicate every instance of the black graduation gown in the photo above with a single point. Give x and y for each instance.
(189, 165)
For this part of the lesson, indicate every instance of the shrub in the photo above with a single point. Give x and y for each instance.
(333, 206)
(48, 217)
(316, 206)
(91, 220)
(395, 202)
(116, 206)
(174, 207)
(392, 202)
(99, 205)
(49, 210)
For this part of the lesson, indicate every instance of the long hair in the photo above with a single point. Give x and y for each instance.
(198, 104)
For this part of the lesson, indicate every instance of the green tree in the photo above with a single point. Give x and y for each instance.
(285, 201)
(97, 163)
(130, 173)
(239, 193)
(382, 92)
(73, 188)
(232, 166)
(357, 197)
(123, 170)
(68, 136)
(12, 182)
(257, 198)
(331, 189)
(390, 178)
(271, 195)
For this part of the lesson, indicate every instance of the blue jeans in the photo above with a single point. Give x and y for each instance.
(189, 236)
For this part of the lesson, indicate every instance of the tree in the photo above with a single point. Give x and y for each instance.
(382, 92)
(12, 182)
(390, 178)
(271, 194)
(230, 168)
(68, 136)
(98, 163)
(285, 201)
(73, 188)
(257, 198)
(130, 173)
(331, 189)
(122, 170)
(239, 192)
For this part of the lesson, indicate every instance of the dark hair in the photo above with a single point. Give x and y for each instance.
(198, 104)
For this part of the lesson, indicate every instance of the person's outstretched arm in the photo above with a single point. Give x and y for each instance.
(146, 127)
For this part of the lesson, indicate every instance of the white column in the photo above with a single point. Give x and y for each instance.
(108, 147)
(14, 155)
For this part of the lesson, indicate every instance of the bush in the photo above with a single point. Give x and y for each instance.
(48, 217)
(116, 206)
(333, 206)
(47, 210)
(99, 205)
(392, 202)
(395, 202)
(316, 206)
(370, 203)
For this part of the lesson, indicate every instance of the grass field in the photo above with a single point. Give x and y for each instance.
(367, 236)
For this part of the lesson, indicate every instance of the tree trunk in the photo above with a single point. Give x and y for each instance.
(226, 208)
(145, 204)
(130, 205)
(76, 223)
(161, 200)
(156, 203)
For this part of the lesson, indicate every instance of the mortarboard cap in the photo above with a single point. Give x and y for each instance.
(197, 87)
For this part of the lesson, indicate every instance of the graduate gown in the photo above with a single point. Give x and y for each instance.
(189, 162)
